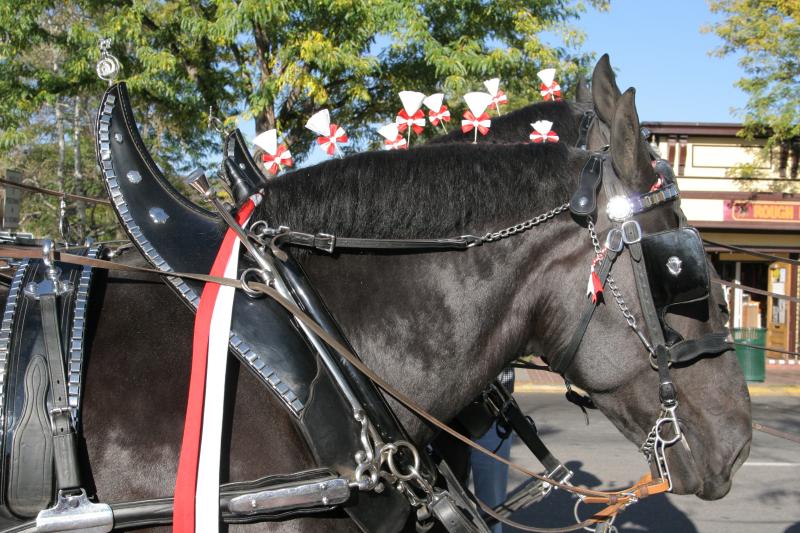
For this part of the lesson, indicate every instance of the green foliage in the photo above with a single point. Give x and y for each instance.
(272, 61)
(767, 34)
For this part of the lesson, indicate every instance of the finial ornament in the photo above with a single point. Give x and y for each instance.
(109, 66)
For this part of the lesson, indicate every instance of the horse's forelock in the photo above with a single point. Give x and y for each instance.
(427, 192)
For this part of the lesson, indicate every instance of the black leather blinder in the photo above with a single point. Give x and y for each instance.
(676, 265)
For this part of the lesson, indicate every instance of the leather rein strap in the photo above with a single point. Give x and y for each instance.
(614, 500)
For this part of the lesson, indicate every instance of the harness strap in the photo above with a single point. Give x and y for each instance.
(65, 453)
(583, 129)
(689, 350)
(328, 243)
(510, 412)
(561, 361)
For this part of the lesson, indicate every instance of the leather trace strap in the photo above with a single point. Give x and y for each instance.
(65, 453)
(47, 293)
(614, 500)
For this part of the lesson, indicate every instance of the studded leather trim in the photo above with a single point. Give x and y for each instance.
(76, 344)
(243, 350)
(5, 334)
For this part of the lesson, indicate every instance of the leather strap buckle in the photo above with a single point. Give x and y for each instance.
(615, 240)
(325, 242)
(631, 232)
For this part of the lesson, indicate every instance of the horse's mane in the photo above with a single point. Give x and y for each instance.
(428, 192)
(515, 126)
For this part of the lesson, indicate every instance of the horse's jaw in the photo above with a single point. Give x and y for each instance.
(716, 426)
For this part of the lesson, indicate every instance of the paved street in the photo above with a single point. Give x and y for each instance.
(765, 497)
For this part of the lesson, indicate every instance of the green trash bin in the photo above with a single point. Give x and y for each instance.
(751, 359)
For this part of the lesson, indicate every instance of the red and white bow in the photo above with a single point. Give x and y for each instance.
(542, 132)
(393, 139)
(335, 137)
(549, 88)
(442, 115)
(415, 121)
(482, 123)
(330, 135)
(498, 96)
(275, 162)
(437, 113)
(476, 117)
(411, 116)
(275, 156)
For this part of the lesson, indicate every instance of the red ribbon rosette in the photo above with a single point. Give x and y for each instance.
(442, 115)
(336, 137)
(481, 123)
(415, 121)
(274, 163)
(543, 133)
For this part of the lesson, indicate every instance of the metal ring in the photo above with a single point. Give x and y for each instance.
(413, 471)
(578, 503)
(253, 293)
(678, 434)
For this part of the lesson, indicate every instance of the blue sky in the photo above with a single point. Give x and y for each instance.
(657, 47)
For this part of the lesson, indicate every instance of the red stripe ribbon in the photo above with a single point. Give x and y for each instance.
(186, 481)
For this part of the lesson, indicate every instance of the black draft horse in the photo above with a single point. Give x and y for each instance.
(439, 326)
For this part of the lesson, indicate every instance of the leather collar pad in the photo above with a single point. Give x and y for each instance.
(175, 235)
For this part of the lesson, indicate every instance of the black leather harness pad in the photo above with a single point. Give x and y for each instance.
(584, 200)
(676, 266)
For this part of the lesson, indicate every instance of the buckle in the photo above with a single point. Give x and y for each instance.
(615, 240)
(325, 242)
(560, 473)
(73, 512)
(631, 232)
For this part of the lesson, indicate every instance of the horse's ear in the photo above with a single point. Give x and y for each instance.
(605, 92)
(629, 154)
(582, 93)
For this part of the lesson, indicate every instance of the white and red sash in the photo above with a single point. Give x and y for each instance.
(197, 482)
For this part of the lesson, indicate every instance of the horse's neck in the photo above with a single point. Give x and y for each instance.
(439, 326)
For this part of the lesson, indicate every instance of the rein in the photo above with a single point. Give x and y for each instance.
(615, 501)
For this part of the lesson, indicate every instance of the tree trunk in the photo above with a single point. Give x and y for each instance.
(78, 175)
(61, 161)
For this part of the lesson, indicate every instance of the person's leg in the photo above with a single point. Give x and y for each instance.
(489, 477)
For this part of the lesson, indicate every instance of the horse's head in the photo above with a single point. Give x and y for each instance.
(611, 361)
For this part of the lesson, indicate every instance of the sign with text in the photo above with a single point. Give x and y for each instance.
(758, 211)
(11, 200)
